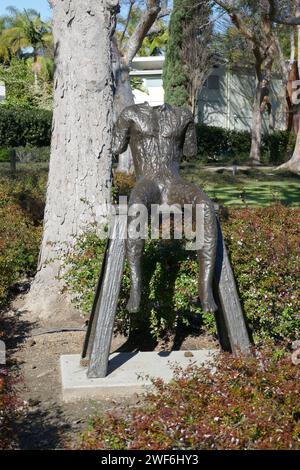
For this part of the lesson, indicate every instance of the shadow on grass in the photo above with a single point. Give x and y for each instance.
(261, 187)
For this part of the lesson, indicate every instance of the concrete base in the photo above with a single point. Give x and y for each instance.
(128, 373)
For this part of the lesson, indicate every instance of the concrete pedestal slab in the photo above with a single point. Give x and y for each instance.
(128, 373)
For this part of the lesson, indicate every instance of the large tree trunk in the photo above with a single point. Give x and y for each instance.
(293, 110)
(256, 129)
(80, 165)
(123, 97)
(294, 163)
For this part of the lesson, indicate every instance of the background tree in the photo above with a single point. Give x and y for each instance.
(234, 48)
(196, 52)
(287, 12)
(25, 30)
(252, 19)
(125, 47)
(155, 40)
(26, 58)
(189, 57)
(79, 180)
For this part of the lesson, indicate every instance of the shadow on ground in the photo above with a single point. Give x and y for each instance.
(41, 425)
(43, 429)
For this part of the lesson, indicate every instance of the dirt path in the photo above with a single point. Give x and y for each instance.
(48, 420)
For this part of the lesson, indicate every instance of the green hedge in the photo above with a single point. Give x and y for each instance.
(26, 154)
(227, 145)
(4, 155)
(21, 127)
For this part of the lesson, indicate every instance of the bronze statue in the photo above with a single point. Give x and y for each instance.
(159, 137)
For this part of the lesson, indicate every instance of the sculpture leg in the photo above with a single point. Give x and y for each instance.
(134, 256)
(207, 260)
(145, 193)
(181, 192)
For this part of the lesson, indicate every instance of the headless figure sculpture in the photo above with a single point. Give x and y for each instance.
(158, 137)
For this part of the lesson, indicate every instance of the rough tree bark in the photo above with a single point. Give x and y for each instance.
(256, 128)
(80, 165)
(123, 97)
(289, 73)
(293, 164)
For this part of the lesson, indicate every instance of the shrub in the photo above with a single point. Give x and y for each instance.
(22, 126)
(33, 154)
(27, 154)
(279, 146)
(19, 82)
(263, 244)
(21, 89)
(264, 247)
(223, 145)
(21, 210)
(244, 403)
(9, 410)
(4, 155)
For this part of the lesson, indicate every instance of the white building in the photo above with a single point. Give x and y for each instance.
(227, 96)
(149, 69)
(224, 101)
(2, 91)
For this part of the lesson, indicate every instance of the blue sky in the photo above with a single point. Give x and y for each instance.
(41, 6)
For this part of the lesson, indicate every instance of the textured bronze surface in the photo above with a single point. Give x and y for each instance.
(159, 137)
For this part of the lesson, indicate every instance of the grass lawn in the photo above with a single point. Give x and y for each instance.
(253, 187)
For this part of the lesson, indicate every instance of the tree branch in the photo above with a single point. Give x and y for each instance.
(237, 20)
(164, 12)
(147, 19)
(287, 20)
(132, 2)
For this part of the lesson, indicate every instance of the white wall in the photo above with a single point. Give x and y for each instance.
(226, 101)
(230, 105)
(2, 91)
(155, 91)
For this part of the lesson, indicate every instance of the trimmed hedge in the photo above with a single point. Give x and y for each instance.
(227, 145)
(21, 127)
(26, 154)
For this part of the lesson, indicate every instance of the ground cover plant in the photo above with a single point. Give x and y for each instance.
(265, 254)
(242, 403)
(21, 211)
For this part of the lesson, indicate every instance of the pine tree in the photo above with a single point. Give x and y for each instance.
(174, 75)
(190, 52)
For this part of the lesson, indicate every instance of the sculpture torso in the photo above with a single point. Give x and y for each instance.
(158, 137)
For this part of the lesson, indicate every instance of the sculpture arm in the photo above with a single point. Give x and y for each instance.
(190, 147)
(121, 134)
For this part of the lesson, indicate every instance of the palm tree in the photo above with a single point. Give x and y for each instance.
(4, 50)
(22, 30)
